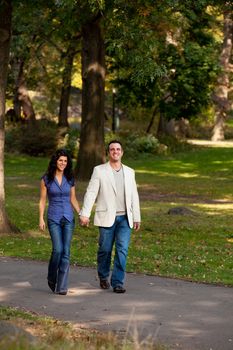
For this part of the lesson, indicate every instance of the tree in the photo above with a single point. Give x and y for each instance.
(35, 43)
(92, 151)
(5, 36)
(68, 58)
(22, 99)
(163, 53)
(220, 96)
(25, 34)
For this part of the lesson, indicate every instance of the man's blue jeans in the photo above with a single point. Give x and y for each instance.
(59, 264)
(120, 234)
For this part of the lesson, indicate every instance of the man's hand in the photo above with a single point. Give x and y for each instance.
(136, 226)
(84, 221)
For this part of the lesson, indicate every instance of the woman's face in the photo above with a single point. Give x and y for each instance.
(62, 163)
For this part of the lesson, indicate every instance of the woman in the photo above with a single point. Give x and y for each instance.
(58, 184)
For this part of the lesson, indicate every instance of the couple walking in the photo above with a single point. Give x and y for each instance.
(112, 186)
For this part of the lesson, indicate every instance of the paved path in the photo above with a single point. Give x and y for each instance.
(184, 315)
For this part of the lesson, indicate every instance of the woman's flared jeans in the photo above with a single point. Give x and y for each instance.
(120, 234)
(59, 264)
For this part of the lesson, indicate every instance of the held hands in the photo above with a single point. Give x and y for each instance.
(84, 221)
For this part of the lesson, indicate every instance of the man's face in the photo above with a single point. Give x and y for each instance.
(115, 152)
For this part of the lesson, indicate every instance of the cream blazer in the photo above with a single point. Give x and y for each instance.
(102, 190)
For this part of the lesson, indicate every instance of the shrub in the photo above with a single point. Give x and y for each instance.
(38, 138)
(146, 144)
(134, 143)
(141, 144)
(174, 145)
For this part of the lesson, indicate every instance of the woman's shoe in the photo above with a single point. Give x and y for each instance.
(52, 286)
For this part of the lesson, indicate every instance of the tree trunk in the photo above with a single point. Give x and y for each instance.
(16, 102)
(152, 120)
(66, 85)
(220, 96)
(5, 36)
(161, 125)
(92, 151)
(22, 99)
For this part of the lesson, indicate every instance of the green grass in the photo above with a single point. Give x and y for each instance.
(194, 247)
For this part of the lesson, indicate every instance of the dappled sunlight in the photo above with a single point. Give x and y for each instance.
(215, 208)
(77, 291)
(208, 143)
(38, 233)
(204, 303)
(181, 328)
(24, 186)
(147, 208)
(3, 295)
(189, 175)
(131, 320)
(144, 171)
(175, 174)
(147, 187)
(7, 293)
(22, 284)
(217, 162)
(15, 161)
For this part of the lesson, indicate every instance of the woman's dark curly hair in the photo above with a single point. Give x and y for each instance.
(68, 172)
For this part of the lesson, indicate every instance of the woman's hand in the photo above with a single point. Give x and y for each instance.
(42, 224)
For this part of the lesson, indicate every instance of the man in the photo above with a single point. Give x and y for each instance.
(114, 189)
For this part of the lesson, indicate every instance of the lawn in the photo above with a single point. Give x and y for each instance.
(197, 246)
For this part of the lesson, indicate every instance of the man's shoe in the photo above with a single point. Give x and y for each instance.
(52, 286)
(62, 293)
(104, 284)
(119, 289)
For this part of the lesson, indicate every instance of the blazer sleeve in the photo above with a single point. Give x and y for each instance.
(91, 194)
(135, 202)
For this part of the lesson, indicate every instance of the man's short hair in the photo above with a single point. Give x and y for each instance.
(114, 141)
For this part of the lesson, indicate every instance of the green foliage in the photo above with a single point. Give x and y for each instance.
(38, 138)
(70, 141)
(186, 98)
(166, 56)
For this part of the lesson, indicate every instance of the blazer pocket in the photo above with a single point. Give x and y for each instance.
(100, 210)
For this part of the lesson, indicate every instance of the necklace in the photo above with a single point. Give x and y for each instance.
(117, 170)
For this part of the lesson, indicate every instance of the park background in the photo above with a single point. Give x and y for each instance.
(157, 76)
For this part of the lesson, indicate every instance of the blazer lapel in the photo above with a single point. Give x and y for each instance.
(111, 176)
(126, 178)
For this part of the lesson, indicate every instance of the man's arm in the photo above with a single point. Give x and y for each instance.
(89, 198)
(136, 206)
